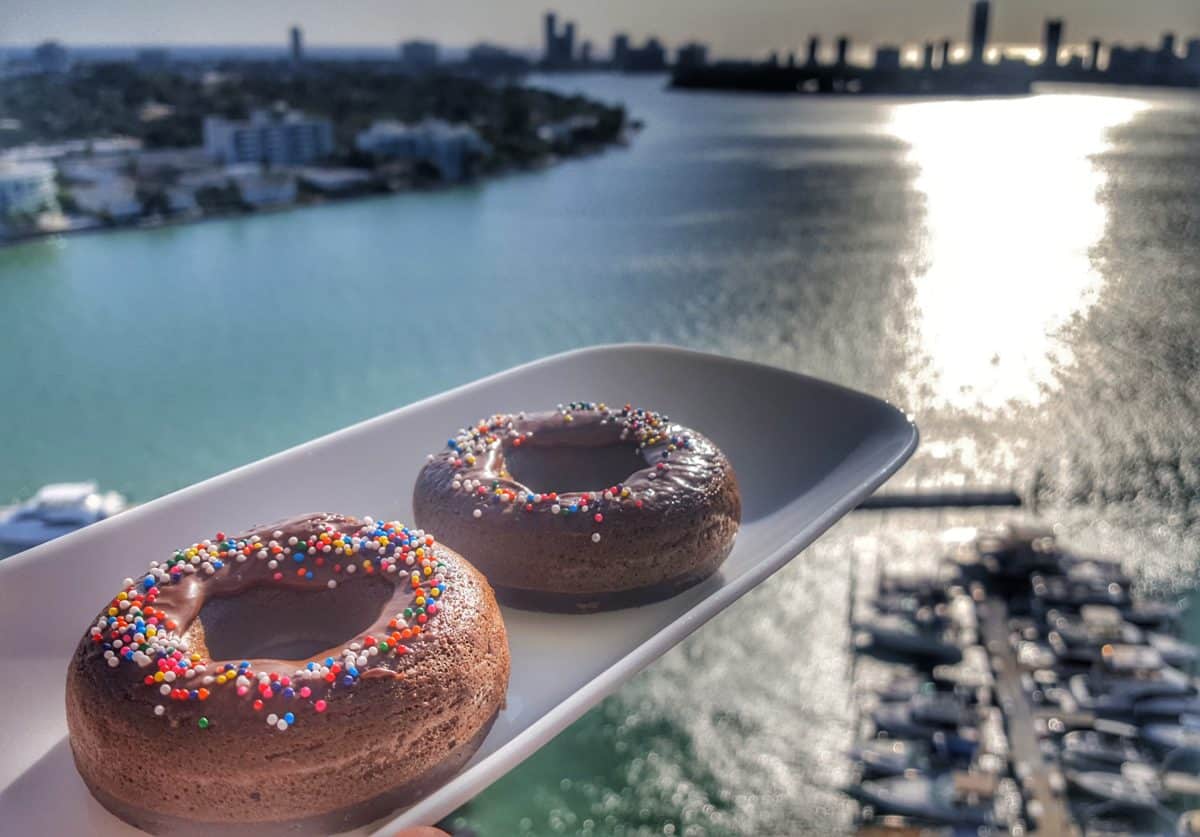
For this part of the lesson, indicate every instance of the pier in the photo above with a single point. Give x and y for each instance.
(1052, 815)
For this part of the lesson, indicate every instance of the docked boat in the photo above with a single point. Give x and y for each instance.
(1171, 737)
(53, 511)
(1117, 791)
(957, 798)
(891, 634)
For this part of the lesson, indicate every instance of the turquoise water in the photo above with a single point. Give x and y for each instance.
(1023, 275)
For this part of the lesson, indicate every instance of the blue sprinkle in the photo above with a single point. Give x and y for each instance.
(353, 671)
(218, 564)
(289, 717)
(312, 666)
(194, 695)
(289, 692)
(298, 557)
(329, 661)
(149, 582)
(348, 680)
(309, 575)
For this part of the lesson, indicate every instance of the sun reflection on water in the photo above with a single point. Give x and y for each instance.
(1011, 212)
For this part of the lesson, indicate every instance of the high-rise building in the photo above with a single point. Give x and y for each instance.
(51, 57)
(691, 55)
(1094, 60)
(620, 49)
(980, 12)
(276, 137)
(585, 52)
(887, 57)
(814, 51)
(1052, 42)
(1193, 53)
(946, 47)
(419, 55)
(297, 42)
(567, 44)
(927, 59)
(843, 48)
(550, 36)
(1167, 50)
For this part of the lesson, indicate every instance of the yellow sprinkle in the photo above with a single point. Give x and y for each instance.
(420, 600)
(112, 611)
(122, 596)
(429, 571)
(158, 677)
(435, 592)
(196, 658)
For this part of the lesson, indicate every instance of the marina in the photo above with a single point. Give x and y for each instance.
(1061, 714)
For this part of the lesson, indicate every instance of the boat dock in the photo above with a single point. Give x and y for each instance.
(1052, 815)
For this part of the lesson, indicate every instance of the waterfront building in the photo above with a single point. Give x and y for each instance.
(1052, 42)
(1094, 53)
(620, 49)
(114, 198)
(887, 58)
(419, 55)
(692, 55)
(585, 53)
(297, 44)
(450, 149)
(927, 58)
(26, 187)
(562, 134)
(980, 12)
(1192, 56)
(946, 47)
(276, 137)
(262, 189)
(51, 57)
(649, 58)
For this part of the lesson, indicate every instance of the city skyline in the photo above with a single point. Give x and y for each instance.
(753, 27)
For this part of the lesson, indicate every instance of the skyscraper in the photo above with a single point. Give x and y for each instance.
(566, 44)
(1094, 61)
(297, 40)
(620, 49)
(980, 12)
(550, 31)
(1052, 42)
(946, 53)
(814, 51)
(927, 62)
(843, 47)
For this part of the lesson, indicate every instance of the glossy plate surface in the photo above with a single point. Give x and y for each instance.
(805, 451)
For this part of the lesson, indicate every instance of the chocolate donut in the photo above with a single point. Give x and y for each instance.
(583, 508)
(309, 676)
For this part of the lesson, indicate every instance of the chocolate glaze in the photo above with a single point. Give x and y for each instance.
(673, 528)
(400, 722)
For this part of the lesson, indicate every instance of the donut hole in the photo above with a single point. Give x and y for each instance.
(287, 624)
(572, 469)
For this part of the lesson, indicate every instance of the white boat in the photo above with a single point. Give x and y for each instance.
(55, 510)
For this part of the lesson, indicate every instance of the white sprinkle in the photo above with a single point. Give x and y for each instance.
(292, 541)
(164, 689)
(277, 534)
(113, 662)
(158, 710)
(262, 553)
(281, 725)
(271, 719)
(477, 513)
(332, 583)
(169, 676)
(272, 563)
(368, 521)
(555, 509)
(350, 568)
(595, 537)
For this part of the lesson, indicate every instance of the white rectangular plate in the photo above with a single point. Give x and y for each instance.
(805, 452)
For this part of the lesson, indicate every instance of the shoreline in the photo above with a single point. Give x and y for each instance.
(188, 219)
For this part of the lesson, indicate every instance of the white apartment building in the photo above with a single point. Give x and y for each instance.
(26, 187)
(275, 137)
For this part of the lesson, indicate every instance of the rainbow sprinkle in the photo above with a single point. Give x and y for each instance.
(644, 428)
(137, 635)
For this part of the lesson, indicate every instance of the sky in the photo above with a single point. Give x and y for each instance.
(731, 27)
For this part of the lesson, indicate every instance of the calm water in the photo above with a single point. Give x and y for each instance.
(1023, 275)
